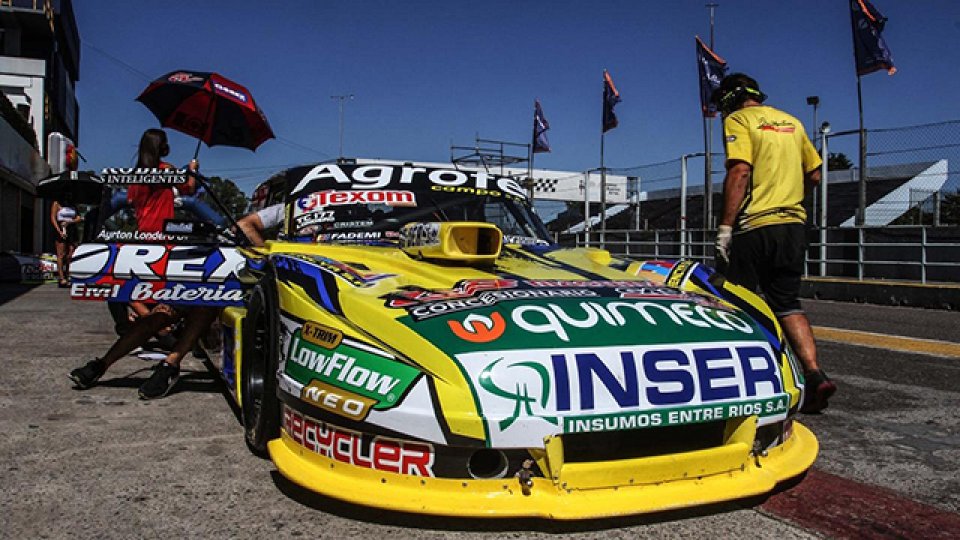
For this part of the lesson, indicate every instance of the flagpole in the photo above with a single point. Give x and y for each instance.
(603, 194)
(708, 148)
(861, 217)
(530, 154)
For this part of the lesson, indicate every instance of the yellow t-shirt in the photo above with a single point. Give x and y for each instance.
(775, 144)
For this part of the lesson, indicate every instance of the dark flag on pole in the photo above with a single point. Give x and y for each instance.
(712, 70)
(610, 99)
(869, 48)
(540, 127)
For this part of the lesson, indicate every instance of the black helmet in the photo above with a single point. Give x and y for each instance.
(734, 90)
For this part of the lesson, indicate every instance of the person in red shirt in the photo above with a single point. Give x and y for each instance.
(153, 204)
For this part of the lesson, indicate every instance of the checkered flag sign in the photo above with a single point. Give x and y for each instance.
(545, 185)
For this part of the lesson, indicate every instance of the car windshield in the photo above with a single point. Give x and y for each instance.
(333, 211)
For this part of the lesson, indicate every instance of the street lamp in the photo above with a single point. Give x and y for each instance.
(815, 101)
(341, 99)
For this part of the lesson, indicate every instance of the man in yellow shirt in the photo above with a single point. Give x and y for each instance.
(761, 241)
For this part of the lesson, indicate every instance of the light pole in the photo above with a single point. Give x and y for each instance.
(815, 101)
(824, 180)
(341, 99)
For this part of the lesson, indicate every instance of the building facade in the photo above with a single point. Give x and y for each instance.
(39, 69)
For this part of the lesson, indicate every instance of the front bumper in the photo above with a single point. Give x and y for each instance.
(577, 491)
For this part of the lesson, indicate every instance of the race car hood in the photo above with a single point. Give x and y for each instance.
(547, 343)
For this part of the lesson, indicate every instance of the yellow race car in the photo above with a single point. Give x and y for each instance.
(415, 342)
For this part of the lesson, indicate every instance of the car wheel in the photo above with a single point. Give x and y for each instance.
(260, 405)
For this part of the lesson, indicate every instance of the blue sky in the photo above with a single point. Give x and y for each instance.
(428, 74)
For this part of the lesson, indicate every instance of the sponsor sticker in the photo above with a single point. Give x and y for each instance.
(322, 335)
(155, 262)
(477, 328)
(313, 218)
(140, 175)
(420, 234)
(184, 77)
(350, 366)
(353, 448)
(376, 177)
(197, 275)
(376, 196)
(139, 236)
(531, 394)
(337, 400)
(679, 274)
(531, 323)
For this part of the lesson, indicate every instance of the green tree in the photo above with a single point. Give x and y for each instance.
(231, 196)
(838, 161)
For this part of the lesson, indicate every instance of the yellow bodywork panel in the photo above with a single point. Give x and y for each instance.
(547, 498)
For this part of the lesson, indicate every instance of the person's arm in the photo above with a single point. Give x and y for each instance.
(252, 226)
(811, 180)
(54, 210)
(734, 191)
(191, 186)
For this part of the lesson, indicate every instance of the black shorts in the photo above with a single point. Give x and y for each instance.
(770, 260)
(73, 234)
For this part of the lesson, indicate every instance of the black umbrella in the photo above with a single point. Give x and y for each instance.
(207, 106)
(77, 187)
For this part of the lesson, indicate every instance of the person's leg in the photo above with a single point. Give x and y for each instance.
(197, 322)
(744, 257)
(71, 247)
(800, 336)
(782, 291)
(61, 266)
(138, 334)
(167, 372)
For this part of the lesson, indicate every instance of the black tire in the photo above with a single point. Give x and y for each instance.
(260, 405)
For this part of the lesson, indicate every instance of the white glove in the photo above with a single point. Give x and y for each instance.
(722, 253)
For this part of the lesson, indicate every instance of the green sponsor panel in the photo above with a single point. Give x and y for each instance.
(577, 322)
(677, 416)
(369, 375)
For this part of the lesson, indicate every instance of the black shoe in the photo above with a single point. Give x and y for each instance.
(817, 390)
(166, 342)
(161, 382)
(88, 375)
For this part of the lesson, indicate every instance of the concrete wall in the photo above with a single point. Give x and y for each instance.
(22, 80)
(21, 212)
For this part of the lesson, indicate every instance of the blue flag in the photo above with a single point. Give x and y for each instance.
(712, 70)
(869, 49)
(540, 127)
(610, 99)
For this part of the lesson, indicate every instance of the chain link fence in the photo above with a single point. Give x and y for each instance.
(913, 174)
(911, 222)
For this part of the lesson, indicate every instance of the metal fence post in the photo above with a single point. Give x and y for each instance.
(656, 243)
(586, 208)
(628, 243)
(923, 254)
(860, 252)
(683, 205)
(824, 177)
(936, 208)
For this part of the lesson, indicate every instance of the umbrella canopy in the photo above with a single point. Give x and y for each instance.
(207, 106)
(78, 187)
